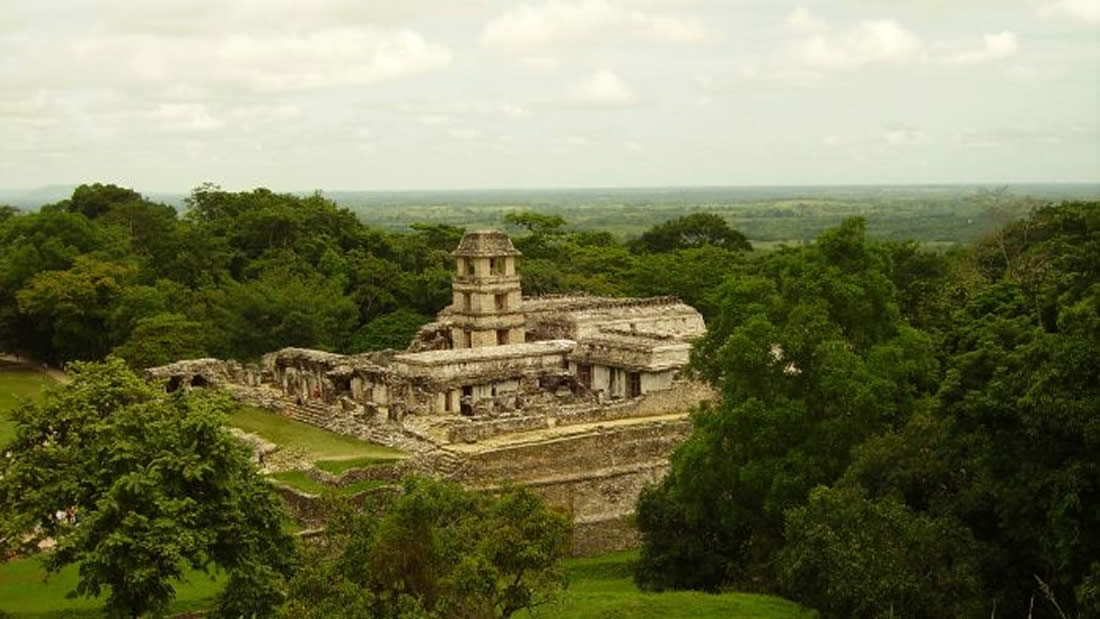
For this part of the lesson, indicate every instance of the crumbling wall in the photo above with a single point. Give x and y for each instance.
(432, 336)
(471, 430)
(390, 472)
(603, 536)
(602, 448)
(191, 373)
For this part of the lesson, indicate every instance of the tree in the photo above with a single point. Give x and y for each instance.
(394, 330)
(868, 468)
(850, 556)
(536, 224)
(161, 339)
(149, 224)
(692, 274)
(135, 486)
(73, 306)
(695, 230)
(544, 233)
(1010, 449)
(811, 360)
(97, 199)
(437, 551)
(281, 308)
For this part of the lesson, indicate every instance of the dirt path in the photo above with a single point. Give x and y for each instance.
(54, 373)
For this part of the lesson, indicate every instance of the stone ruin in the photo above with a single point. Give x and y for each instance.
(581, 398)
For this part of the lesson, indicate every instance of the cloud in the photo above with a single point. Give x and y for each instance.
(514, 111)
(869, 42)
(184, 118)
(464, 133)
(803, 23)
(541, 62)
(433, 119)
(327, 58)
(905, 137)
(602, 89)
(556, 21)
(190, 66)
(223, 16)
(1087, 11)
(996, 46)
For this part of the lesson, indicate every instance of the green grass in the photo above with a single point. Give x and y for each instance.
(320, 444)
(599, 587)
(300, 481)
(338, 467)
(17, 384)
(602, 587)
(24, 594)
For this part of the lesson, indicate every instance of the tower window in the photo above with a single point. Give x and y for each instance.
(502, 337)
(467, 304)
(634, 385)
(501, 302)
(470, 270)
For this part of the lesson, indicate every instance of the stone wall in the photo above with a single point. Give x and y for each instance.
(680, 396)
(468, 430)
(603, 536)
(310, 508)
(601, 494)
(391, 472)
(579, 454)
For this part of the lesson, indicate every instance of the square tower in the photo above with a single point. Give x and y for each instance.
(488, 300)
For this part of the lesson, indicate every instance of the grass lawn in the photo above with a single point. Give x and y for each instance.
(17, 383)
(598, 587)
(602, 587)
(300, 481)
(320, 444)
(24, 594)
(337, 467)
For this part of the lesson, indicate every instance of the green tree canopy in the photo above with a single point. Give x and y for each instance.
(394, 330)
(695, 230)
(98, 199)
(869, 468)
(161, 339)
(437, 551)
(73, 306)
(811, 360)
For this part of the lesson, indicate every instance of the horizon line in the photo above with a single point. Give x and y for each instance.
(584, 187)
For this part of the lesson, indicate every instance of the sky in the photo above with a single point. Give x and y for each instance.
(458, 94)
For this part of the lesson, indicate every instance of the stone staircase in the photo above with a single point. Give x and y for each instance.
(308, 412)
(443, 462)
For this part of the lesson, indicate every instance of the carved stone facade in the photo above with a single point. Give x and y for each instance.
(580, 397)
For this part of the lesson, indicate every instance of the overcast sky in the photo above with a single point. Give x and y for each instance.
(435, 94)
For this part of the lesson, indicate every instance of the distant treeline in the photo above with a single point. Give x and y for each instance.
(937, 215)
(933, 214)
